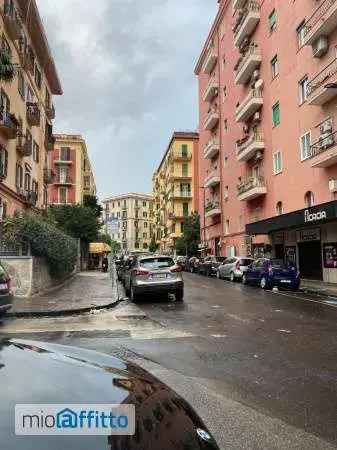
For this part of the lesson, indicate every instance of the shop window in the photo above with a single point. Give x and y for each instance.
(309, 199)
(279, 208)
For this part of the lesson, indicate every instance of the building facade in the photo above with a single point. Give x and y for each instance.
(129, 220)
(26, 109)
(72, 175)
(268, 149)
(176, 188)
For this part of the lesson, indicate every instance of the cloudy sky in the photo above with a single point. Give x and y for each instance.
(126, 68)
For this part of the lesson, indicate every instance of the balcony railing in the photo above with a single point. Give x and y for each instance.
(322, 22)
(213, 179)
(211, 120)
(212, 209)
(249, 106)
(23, 145)
(211, 90)
(247, 147)
(12, 21)
(63, 179)
(323, 152)
(249, 62)
(210, 61)
(33, 114)
(317, 92)
(212, 148)
(237, 4)
(247, 22)
(8, 124)
(251, 188)
(182, 194)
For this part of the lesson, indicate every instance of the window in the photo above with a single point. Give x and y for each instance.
(305, 144)
(65, 154)
(145, 235)
(309, 199)
(224, 93)
(185, 169)
(272, 21)
(226, 192)
(277, 162)
(136, 214)
(47, 99)
(274, 67)
(184, 150)
(36, 152)
(301, 34)
(227, 226)
(276, 114)
(225, 161)
(145, 224)
(19, 176)
(136, 223)
(27, 181)
(38, 77)
(145, 214)
(145, 246)
(302, 89)
(279, 208)
(136, 244)
(225, 125)
(21, 85)
(185, 209)
(3, 162)
(181, 227)
(124, 214)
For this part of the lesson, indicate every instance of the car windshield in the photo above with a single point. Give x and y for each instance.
(278, 264)
(245, 262)
(220, 259)
(157, 263)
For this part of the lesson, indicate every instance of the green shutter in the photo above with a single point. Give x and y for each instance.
(185, 169)
(272, 20)
(276, 114)
(185, 209)
(184, 150)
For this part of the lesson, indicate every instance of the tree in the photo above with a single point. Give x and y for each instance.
(105, 238)
(153, 247)
(7, 68)
(188, 243)
(91, 201)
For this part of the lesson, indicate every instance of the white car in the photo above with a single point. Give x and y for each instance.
(234, 268)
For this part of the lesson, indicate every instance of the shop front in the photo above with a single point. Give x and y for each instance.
(306, 238)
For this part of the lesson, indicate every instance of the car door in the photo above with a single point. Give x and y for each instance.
(255, 272)
(227, 267)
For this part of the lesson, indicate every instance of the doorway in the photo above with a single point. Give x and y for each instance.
(310, 260)
(279, 251)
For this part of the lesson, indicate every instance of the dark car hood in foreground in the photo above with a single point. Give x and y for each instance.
(34, 372)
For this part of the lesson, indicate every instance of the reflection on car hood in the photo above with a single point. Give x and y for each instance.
(42, 373)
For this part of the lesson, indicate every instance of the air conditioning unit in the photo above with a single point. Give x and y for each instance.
(320, 47)
(258, 155)
(326, 127)
(257, 117)
(333, 185)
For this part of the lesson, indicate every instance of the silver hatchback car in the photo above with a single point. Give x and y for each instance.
(154, 275)
(234, 268)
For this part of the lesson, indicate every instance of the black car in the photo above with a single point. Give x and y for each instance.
(209, 266)
(6, 297)
(41, 373)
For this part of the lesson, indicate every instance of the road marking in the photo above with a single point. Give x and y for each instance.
(235, 317)
(284, 331)
(321, 302)
(219, 335)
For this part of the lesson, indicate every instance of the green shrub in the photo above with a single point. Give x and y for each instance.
(46, 240)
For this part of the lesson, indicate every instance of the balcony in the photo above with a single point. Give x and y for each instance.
(249, 62)
(323, 153)
(48, 176)
(252, 188)
(33, 114)
(322, 22)
(210, 61)
(212, 120)
(252, 103)
(24, 146)
(318, 91)
(246, 148)
(211, 90)
(212, 180)
(64, 180)
(212, 148)
(247, 22)
(238, 4)
(212, 209)
(8, 124)
(50, 112)
(180, 156)
(183, 194)
(62, 161)
(12, 21)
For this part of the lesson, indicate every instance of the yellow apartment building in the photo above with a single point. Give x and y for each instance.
(73, 177)
(26, 109)
(175, 188)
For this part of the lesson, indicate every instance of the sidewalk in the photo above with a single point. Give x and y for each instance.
(319, 288)
(83, 293)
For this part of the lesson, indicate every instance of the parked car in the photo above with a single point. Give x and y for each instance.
(6, 297)
(209, 266)
(181, 261)
(234, 268)
(269, 273)
(154, 275)
(123, 268)
(61, 375)
(192, 265)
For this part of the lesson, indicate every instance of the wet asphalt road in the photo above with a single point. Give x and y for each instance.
(261, 361)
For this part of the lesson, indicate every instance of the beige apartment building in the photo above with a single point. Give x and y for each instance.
(26, 109)
(72, 174)
(175, 188)
(129, 220)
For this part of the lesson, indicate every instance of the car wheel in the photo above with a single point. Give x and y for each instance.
(179, 296)
(264, 283)
(244, 279)
(232, 277)
(134, 297)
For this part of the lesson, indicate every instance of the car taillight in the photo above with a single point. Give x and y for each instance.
(141, 272)
(175, 269)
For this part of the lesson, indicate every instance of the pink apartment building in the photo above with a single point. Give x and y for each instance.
(268, 132)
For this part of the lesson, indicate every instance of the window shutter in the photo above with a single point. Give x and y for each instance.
(5, 163)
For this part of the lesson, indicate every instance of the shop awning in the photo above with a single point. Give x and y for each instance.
(99, 247)
(315, 215)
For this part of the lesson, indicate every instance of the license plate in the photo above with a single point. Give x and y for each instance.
(3, 287)
(159, 276)
(285, 281)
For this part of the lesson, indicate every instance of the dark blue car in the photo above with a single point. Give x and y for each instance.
(269, 273)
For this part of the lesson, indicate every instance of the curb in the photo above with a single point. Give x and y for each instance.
(75, 311)
(317, 292)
